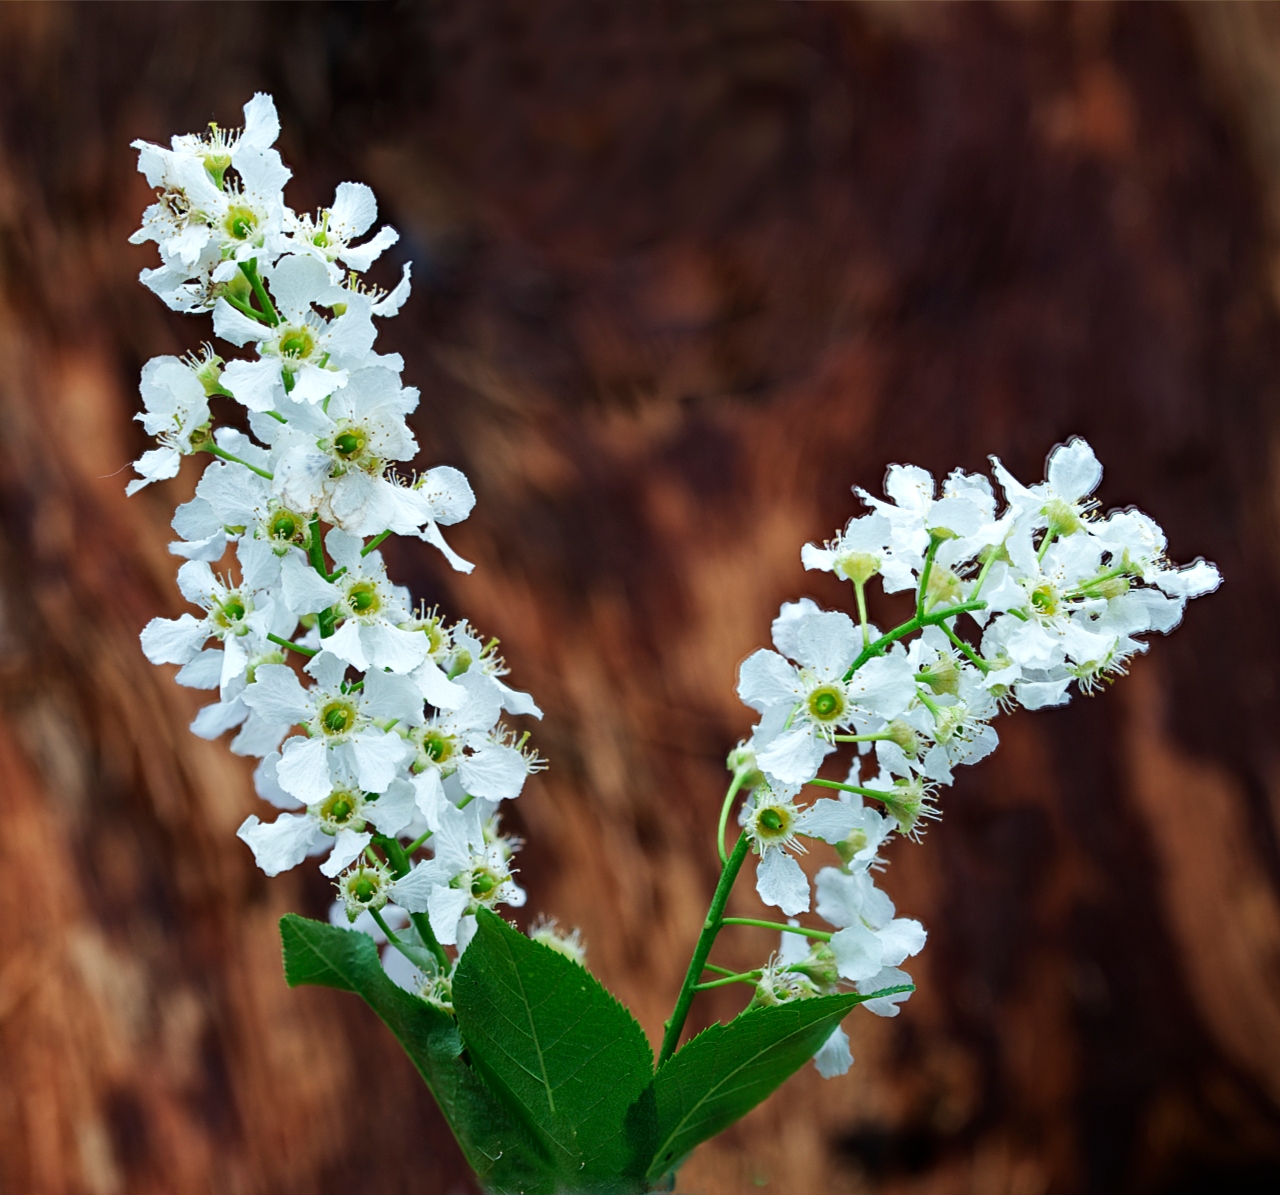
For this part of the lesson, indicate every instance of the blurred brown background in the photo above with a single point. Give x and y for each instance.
(683, 273)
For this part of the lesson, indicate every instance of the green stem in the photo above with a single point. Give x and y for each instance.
(922, 594)
(821, 934)
(750, 977)
(974, 658)
(718, 970)
(315, 552)
(227, 456)
(706, 939)
(306, 651)
(416, 844)
(400, 865)
(250, 270)
(734, 785)
(876, 794)
(391, 937)
(938, 616)
(982, 576)
(246, 309)
(860, 592)
(860, 738)
(1045, 544)
(373, 543)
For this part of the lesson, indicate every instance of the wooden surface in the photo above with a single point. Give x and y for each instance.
(683, 274)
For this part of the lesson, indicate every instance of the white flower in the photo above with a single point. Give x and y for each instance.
(1062, 503)
(372, 611)
(819, 699)
(869, 937)
(915, 515)
(305, 356)
(176, 411)
(468, 871)
(205, 223)
(238, 616)
(328, 236)
(336, 825)
(774, 824)
(342, 725)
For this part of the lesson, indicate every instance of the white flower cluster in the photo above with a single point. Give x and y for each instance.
(388, 741)
(1055, 594)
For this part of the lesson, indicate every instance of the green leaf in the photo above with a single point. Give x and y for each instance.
(503, 1156)
(555, 1044)
(727, 1070)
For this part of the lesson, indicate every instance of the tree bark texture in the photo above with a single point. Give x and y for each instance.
(684, 272)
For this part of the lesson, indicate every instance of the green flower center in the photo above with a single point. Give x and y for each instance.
(363, 598)
(771, 819)
(364, 889)
(284, 525)
(297, 343)
(436, 746)
(338, 809)
(1045, 599)
(337, 717)
(240, 222)
(826, 704)
(349, 443)
(482, 883)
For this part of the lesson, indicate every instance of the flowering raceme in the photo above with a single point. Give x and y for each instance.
(379, 727)
(396, 710)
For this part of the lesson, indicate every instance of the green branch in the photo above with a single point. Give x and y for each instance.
(710, 927)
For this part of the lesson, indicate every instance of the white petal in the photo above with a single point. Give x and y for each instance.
(445, 906)
(885, 685)
(834, 1058)
(437, 688)
(781, 882)
(857, 952)
(297, 281)
(793, 757)
(495, 772)
(282, 844)
(256, 384)
(900, 939)
(395, 809)
(312, 384)
(173, 640)
(353, 211)
(831, 821)
(431, 533)
(390, 647)
(1074, 471)
(378, 757)
(305, 590)
(765, 679)
(303, 769)
(346, 644)
(1038, 695)
(884, 1006)
(261, 124)
(828, 642)
(216, 719)
(202, 671)
(277, 696)
(156, 464)
(346, 850)
(390, 696)
(429, 797)
(234, 326)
